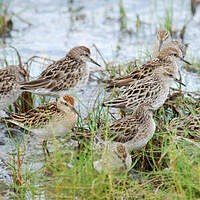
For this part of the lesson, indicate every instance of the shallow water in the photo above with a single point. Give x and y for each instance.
(57, 26)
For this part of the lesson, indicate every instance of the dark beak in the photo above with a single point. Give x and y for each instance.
(160, 45)
(73, 109)
(92, 61)
(185, 61)
(178, 81)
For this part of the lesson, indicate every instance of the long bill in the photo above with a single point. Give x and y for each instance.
(73, 109)
(91, 60)
(160, 45)
(178, 81)
(185, 61)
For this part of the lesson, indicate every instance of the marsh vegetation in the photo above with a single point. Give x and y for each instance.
(166, 168)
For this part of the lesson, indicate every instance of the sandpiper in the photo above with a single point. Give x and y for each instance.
(163, 36)
(127, 134)
(64, 75)
(53, 119)
(113, 157)
(164, 40)
(9, 79)
(189, 122)
(176, 43)
(152, 89)
(166, 59)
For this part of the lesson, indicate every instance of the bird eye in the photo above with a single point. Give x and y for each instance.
(85, 54)
(170, 75)
(66, 104)
(175, 54)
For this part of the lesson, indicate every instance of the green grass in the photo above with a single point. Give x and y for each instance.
(169, 19)
(6, 23)
(166, 168)
(6, 18)
(195, 65)
(123, 21)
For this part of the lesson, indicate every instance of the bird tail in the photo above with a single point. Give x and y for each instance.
(121, 82)
(116, 103)
(35, 84)
(7, 118)
(19, 117)
(116, 84)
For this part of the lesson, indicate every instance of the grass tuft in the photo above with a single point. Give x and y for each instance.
(166, 168)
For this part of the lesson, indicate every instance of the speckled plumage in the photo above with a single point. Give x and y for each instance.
(113, 157)
(126, 134)
(134, 130)
(177, 43)
(70, 72)
(164, 40)
(190, 122)
(9, 79)
(162, 37)
(54, 118)
(166, 59)
(152, 89)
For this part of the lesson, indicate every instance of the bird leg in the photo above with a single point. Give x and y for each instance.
(45, 150)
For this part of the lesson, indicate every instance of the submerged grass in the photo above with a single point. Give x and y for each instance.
(6, 19)
(6, 23)
(123, 21)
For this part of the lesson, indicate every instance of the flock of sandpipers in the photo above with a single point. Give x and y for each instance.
(142, 91)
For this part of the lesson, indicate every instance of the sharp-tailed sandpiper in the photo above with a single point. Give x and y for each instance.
(167, 59)
(45, 121)
(68, 73)
(126, 134)
(164, 40)
(152, 89)
(9, 79)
